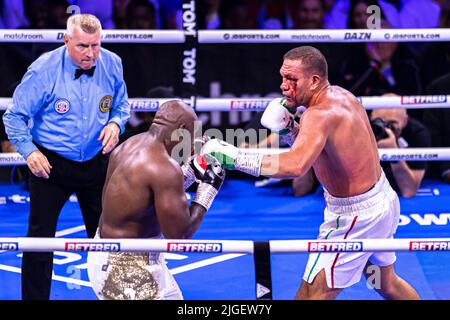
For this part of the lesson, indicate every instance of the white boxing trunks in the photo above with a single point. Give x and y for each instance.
(372, 215)
(131, 276)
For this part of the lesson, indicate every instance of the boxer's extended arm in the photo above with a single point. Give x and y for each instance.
(315, 126)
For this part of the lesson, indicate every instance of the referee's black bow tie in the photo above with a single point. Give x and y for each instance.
(89, 72)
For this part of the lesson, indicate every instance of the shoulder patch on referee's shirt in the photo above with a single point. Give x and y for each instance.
(62, 106)
(106, 103)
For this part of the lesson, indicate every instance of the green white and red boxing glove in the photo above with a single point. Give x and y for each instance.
(233, 158)
(278, 118)
(198, 144)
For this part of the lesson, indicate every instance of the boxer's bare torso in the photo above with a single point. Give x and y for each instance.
(128, 198)
(349, 163)
(336, 139)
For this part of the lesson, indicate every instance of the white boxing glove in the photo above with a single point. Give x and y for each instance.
(233, 158)
(276, 116)
(279, 119)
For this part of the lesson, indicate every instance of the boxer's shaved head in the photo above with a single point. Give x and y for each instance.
(311, 58)
(175, 114)
(172, 116)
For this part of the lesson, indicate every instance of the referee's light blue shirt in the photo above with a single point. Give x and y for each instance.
(68, 114)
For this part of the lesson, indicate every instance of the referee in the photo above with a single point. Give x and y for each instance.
(66, 117)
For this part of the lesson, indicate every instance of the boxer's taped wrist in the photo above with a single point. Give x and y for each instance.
(188, 174)
(205, 195)
(249, 163)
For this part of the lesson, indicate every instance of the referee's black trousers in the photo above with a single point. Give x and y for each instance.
(47, 198)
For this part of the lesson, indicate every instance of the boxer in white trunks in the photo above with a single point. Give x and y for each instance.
(335, 138)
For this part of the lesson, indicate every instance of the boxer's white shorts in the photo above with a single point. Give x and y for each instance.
(374, 214)
(100, 267)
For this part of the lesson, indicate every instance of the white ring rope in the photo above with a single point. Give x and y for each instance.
(239, 36)
(258, 104)
(406, 154)
(222, 246)
(108, 36)
(323, 35)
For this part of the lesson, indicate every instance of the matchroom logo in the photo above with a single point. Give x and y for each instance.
(194, 247)
(429, 245)
(351, 246)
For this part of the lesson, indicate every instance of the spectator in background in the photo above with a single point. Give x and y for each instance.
(309, 14)
(142, 61)
(120, 13)
(336, 16)
(436, 57)
(401, 131)
(236, 14)
(356, 18)
(36, 12)
(274, 14)
(45, 14)
(419, 14)
(438, 121)
(140, 14)
(57, 18)
(103, 9)
(208, 14)
(357, 13)
(171, 14)
(2, 15)
(380, 67)
(40, 14)
(145, 118)
(12, 14)
(339, 15)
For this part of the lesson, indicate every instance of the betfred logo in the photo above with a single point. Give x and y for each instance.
(9, 246)
(429, 245)
(248, 104)
(353, 246)
(93, 246)
(194, 247)
(145, 105)
(423, 99)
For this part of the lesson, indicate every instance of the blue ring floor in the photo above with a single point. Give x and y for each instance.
(242, 212)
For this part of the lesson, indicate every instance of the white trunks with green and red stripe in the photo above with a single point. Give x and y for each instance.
(374, 214)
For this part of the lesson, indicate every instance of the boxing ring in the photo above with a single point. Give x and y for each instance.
(256, 251)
